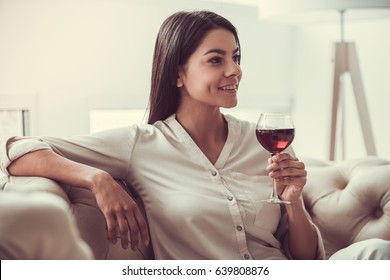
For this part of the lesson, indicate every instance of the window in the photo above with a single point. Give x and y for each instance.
(101, 119)
(14, 122)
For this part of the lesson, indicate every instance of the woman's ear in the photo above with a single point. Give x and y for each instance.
(179, 81)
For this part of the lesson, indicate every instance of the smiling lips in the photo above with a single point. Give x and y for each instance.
(229, 87)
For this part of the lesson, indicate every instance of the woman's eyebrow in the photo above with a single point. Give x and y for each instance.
(220, 51)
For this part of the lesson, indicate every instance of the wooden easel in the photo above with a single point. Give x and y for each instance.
(346, 61)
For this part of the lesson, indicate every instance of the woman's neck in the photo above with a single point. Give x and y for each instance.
(207, 127)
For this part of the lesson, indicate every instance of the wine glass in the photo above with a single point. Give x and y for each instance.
(275, 132)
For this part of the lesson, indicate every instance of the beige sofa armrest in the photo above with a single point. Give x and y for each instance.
(82, 204)
(349, 201)
(39, 226)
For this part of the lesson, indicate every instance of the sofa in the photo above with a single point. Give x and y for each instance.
(349, 201)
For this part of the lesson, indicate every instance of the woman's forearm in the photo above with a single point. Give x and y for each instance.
(46, 163)
(119, 209)
(303, 237)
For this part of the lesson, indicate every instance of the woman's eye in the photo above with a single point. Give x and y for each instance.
(237, 58)
(215, 60)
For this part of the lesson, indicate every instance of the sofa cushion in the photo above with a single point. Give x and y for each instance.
(349, 201)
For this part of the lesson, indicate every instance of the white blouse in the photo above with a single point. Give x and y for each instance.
(195, 210)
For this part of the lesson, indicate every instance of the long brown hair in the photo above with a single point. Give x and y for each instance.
(178, 37)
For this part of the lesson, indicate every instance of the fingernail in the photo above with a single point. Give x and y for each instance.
(146, 242)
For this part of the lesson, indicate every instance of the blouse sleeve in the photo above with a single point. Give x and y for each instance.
(109, 150)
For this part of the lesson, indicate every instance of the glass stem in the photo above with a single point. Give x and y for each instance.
(273, 195)
(274, 191)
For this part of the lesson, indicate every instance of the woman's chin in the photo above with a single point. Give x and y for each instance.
(230, 104)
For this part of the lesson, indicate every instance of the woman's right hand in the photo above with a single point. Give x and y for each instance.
(120, 210)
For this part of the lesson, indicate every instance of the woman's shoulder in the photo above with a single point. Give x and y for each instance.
(158, 130)
(137, 129)
(129, 133)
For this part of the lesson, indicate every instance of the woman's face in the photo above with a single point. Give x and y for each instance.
(212, 73)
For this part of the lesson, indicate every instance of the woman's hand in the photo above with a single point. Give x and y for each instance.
(290, 176)
(120, 210)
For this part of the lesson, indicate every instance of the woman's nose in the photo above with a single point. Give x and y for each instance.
(233, 69)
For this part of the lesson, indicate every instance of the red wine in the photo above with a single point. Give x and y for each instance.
(275, 140)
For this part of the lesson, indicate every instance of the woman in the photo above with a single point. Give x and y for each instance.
(200, 173)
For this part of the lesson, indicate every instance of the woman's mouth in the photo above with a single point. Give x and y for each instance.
(229, 87)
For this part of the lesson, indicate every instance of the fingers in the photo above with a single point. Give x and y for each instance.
(287, 172)
(143, 227)
(284, 161)
(287, 169)
(123, 217)
(111, 227)
(298, 182)
(282, 157)
(132, 222)
(123, 232)
(137, 227)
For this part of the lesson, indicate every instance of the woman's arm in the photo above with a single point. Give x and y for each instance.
(117, 206)
(290, 175)
(84, 161)
(302, 240)
(108, 150)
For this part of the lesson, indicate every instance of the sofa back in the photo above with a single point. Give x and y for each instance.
(349, 201)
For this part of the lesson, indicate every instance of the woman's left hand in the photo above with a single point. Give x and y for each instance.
(290, 176)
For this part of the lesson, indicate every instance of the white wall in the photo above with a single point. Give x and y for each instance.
(80, 54)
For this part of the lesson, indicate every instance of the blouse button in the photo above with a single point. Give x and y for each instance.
(230, 198)
(239, 228)
(246, 256)
(214, 173)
